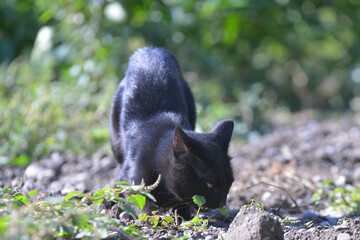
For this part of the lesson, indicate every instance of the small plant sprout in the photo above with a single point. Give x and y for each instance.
(254, 204)
(198, 222)
(343, 199)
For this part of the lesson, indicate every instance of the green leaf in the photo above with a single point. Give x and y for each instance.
(154, 221)
(223, 210)
(327, 182)
(4, 221)
(339, 190)
(199, 200)
(196, 220)
(72, 194)
(122, 183)
(149, 196)
(169, 219)
(138, 200)
(121, 199)
(32, 192)
(129, 210)
(98, 202)
(21, 160)
(99, 193)
(84, 233)
(143, 217)
(22, 198)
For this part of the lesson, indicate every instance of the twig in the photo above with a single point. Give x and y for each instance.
(271, 185)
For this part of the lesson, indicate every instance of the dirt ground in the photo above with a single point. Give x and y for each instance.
(281, 170)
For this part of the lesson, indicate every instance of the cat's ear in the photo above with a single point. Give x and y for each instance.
(179, 143)
(223, 131)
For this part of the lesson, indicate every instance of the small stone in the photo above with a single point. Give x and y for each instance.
(124, 216)
(343, 236)
(55, 186)
(340, 181)
(341, 227)
(57, 160)
(81, 186)
(356, 172)
(46, 176)
(266, 196)
(209, 237)
(261, 226)
(67, 189)
(32, 171)
(311, 229)
(107, 163)
(15, 182)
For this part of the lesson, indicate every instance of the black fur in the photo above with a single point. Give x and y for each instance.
(152, 132)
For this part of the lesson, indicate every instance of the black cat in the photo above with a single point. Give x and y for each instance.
(152, 132)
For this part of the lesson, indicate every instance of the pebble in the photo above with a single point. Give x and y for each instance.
(55, 187)
(67, 189)
(341, 227)
(340, 181)
(15, 182)
(356, 172)
(124, 216)
(209, 237)
(32, 171)
(107, 163)
(266, 196)
(57, 160)
(46, 176)
(343, 236)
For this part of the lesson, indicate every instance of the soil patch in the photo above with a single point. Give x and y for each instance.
(282, 171)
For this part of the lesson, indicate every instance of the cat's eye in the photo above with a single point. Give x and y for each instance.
(210, 185)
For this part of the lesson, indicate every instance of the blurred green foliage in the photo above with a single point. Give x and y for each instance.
(61, 61)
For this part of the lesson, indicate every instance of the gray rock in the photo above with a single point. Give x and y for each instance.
(46, 176)
(107, 163)
(343, 236)
(55, 187)
(254, 224)
(32, 171)
(124, 216)
(341, 227)
(209, 237)
(57, 160)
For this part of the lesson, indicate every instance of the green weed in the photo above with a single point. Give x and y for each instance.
(343, 199)
(37, 215)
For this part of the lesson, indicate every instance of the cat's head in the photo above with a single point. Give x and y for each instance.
(201, 165)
